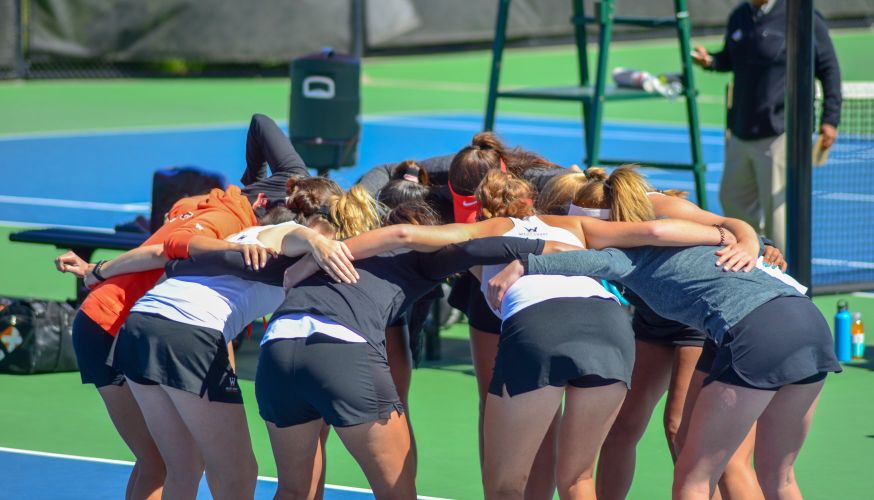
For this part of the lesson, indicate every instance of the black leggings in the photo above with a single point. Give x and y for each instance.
(267, 145)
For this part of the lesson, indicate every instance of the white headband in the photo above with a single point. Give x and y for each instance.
(598, 213)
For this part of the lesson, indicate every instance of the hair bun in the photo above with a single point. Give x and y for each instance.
(487, 140)
(596, 174)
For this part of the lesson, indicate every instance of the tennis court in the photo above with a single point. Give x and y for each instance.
(97, 478)
(81, 153)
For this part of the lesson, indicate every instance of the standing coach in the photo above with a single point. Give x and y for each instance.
(753, 184)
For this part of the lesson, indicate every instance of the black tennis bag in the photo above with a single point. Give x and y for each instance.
(36, 336)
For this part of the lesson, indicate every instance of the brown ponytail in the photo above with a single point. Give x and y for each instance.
(470, 165)
(504, 195)
(307, 194)
(410, 167)
(412, 212)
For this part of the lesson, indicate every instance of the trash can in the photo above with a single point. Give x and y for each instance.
(324, 122)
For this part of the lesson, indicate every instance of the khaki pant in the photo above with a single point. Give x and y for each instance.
(753, 186)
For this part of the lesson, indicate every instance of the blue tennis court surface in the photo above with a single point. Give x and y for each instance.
(99, 179)
(44, 476)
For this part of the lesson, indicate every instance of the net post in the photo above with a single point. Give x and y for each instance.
(799, 125)
(358, 28)
(20, 70)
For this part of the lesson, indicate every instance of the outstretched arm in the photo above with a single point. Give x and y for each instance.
(293, 240)
(484, 251)
(734, 257)
(421, 238)
(666, 232)
(611, 264)
(144, 258)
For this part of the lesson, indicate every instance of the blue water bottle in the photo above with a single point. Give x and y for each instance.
(843, 339)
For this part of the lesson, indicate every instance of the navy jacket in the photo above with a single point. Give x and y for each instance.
(755, 51)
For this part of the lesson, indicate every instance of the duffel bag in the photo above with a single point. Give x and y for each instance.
(36, 336)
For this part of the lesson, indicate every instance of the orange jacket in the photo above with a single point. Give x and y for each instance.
(218, 214)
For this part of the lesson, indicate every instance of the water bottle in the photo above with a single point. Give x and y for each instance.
(857, 331)
(842, 332)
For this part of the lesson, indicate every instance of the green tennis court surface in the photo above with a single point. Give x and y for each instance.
(54, 413)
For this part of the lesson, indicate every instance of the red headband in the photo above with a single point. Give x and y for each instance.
(466, 209)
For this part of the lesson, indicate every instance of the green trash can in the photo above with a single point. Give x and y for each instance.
(324, 121)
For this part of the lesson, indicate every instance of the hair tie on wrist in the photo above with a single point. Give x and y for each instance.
(721, 234)
(96, 270)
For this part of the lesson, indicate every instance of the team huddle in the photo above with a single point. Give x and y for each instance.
(543, 261)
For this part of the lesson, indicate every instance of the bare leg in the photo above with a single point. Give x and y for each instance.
(400, 363)
(147, 478)
(685, 359)
(484, 350)
(738, 481)
(295, 450)
(177, 446)
(721, 419)
(541, 481)
(513, 432)
(588, 415)
(649, 380)
(222, 435)
(318, 480)
(779, 438)
(382, 449)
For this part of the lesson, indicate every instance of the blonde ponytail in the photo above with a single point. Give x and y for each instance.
(354, 212)
(624, 192)
(559, 192)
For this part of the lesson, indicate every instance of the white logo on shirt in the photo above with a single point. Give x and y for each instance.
(737, 35)
(468, 203)
(198, 226)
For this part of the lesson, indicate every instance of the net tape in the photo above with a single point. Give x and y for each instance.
(852, 90)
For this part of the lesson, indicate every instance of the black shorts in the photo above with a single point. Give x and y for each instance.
(154, 350)
(92, 345)
(584, 342)
(784, 341)
(708, 354)
(467, 298)
(731, 377)
(665, 331)
(345, 383)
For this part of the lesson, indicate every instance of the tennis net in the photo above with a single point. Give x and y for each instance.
(843, 199)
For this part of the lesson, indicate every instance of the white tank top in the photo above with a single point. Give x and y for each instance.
(224, 303)
(533, 289)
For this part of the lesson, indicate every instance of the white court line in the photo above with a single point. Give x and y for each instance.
(40, 225)
(405, 117)
(474, 88)
(126, 462)
(855, 264)
(552, 131)
(133, 130)
(85, 205)
(867, 198)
